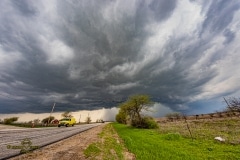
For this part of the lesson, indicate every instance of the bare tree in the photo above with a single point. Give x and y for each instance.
(36, 121)
(174, 116)
(88, 120)
(233, 104)
(48, 120)
(67, 114)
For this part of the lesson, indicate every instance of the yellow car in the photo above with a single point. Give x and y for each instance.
(67, 122)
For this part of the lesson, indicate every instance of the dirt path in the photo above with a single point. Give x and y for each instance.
(70, 148)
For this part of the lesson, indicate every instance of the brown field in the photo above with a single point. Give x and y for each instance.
(205, 126)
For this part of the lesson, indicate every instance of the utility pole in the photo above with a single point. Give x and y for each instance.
(51, 112)
(79, 118)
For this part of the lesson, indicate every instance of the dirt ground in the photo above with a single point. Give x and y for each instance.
(70, 148)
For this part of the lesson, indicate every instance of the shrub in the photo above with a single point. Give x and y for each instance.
(88, 120)
(146, 122)
(10, 120)
(121, 117)
(174, 115)
(48, 120)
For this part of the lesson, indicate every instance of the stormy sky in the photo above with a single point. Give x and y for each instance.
(87, 55)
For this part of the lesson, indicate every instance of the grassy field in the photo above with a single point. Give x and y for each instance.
(173, 141)
(206, 129)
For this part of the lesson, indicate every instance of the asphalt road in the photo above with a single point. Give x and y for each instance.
(26, 138)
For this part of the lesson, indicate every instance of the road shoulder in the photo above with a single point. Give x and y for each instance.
(70, 148)
(5, 127)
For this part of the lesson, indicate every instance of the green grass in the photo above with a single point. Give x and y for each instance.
(109, 148)
(149, 144)
(92, 150)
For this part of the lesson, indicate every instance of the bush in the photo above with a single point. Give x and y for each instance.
(88, 120)
(48, 120)
(10, 120)
(121, 117)
(174, 116)
(146, 122)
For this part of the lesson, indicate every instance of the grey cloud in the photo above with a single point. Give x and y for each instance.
(162, 9)
(219, 15)
(106, 60)
(230, 36)
(24, 7)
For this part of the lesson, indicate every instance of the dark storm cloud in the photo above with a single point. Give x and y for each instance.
(24, 7)
(88, 55)
(162, 9)
(230, 36)
(220, 15)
